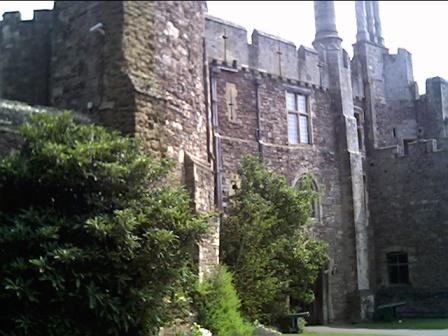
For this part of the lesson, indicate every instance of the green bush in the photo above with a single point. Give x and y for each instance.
(92, 241)
(218, 306)
(301, 322)
(267, 242)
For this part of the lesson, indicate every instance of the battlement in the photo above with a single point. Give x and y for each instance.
(228, 42)
(432, 108)
(15, 16)
(399, 78)
(435, 85)
(13, 27)
(411, 149)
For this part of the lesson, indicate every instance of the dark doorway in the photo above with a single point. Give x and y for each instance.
(319, 309)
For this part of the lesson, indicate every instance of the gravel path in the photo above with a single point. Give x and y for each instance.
(385, 332)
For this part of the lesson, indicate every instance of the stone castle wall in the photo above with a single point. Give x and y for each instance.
(432, 109)
(13, 114)
(407, 203)
(134, 66)
(239, 137)
(390, 91)
(162, 71)
(164, 52)
(88, 68)
(405, 174)
(25, 57)
(260, 73)
(266, 53)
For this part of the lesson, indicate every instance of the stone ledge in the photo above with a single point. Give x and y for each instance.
(13, 113)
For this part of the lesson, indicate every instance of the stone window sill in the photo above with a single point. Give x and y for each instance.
(303, 145)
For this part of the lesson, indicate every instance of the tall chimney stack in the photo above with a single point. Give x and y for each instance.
(325, 21)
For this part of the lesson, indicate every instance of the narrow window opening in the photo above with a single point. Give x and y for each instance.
(359, 131)
(406, 143)
(231, 94)
(345, 60)
(314, 205)
(398, 268)
(366, 196)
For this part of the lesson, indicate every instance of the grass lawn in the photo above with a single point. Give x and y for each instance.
(331, 334)
(417, 323)
(410, 323)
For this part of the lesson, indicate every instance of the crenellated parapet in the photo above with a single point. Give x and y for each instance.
(432, 109)
(227, 42)
(411, 149)
(399, 77)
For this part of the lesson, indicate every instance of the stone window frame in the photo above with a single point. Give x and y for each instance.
(233, 184)
(231, 102)
(358, 111)
(400, 266)
(307, 94)
(383, 269)
(315, 207)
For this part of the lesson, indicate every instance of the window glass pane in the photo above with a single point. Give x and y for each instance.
(290, 101)
(395, 258)
(301, 102)
(293, 136)
(404, 274)
(403, 258)
(304, 129)
(398, 268)
(314, 206)
(392, 258)
(393, 273)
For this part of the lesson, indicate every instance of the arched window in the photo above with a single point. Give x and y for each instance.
(315, 203)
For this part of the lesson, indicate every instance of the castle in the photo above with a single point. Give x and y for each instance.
(192, 87)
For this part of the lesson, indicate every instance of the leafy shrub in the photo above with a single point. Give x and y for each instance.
(218, 306)
(267, 242)
(92, 242)
(197, 330)
(301, 322)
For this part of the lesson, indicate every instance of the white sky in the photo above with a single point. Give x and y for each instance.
(418, 26)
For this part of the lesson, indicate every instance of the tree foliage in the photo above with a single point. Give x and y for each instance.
(267, 241)
(218, 306)
(92, 241)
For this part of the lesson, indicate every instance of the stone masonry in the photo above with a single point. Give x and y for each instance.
(191, 87)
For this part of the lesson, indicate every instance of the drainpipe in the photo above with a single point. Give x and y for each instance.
(216, 139)
(258, 130)
(207, 100)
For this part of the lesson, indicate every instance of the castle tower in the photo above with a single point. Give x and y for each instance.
(387, 81)
(137, 66)
(337, 64)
